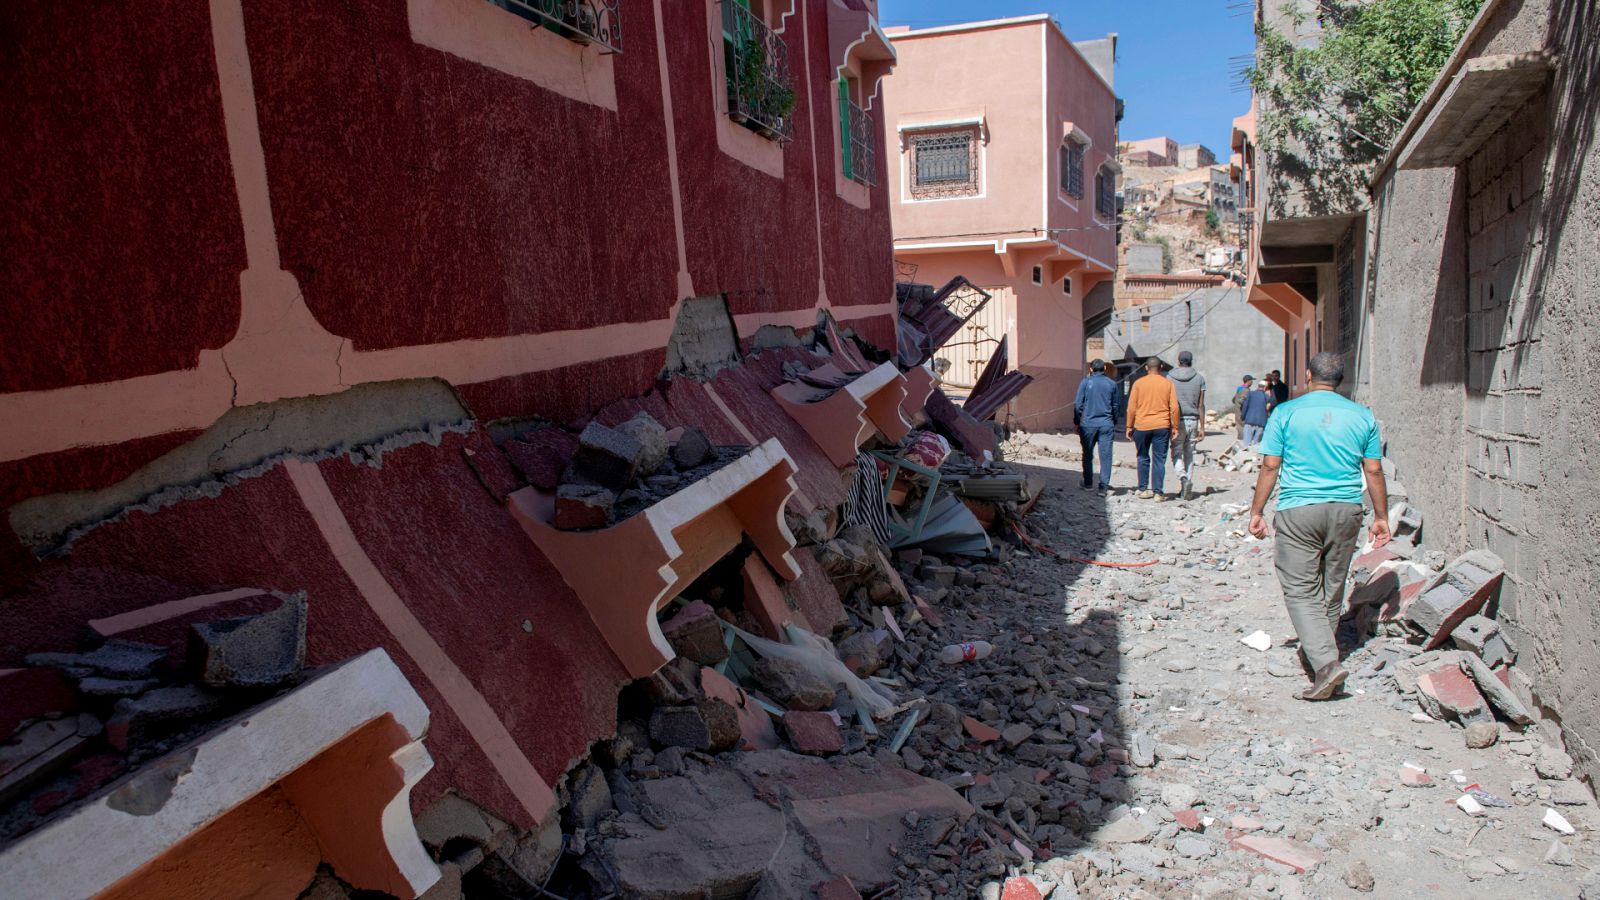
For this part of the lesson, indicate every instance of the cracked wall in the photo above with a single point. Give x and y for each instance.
(245, 442)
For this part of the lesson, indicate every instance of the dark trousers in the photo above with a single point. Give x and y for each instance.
(1090, 438)
(1152, 447)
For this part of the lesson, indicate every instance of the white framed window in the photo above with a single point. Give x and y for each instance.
(944, 163)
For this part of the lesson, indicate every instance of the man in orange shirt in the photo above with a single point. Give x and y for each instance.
(1152, 426)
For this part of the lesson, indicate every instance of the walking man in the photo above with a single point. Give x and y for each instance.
(1191, 388)
(1152, 425)
(1319, 449)
(1254, 413)
(1239, 393)
(1095, 413)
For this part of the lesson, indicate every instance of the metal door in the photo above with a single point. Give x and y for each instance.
(964, 356)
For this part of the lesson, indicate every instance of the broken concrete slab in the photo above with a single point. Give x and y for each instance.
(1482, 635)
(134, 722)
(1463, 589)
(1494, 690)
(115, 658)
(263, 651)
(1448, 693)
(589, 798)
(756, 731)
(1302, 858)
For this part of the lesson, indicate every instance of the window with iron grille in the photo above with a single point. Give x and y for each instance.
(584, 21)
(1105, 194)
(1345, 259)
(1072, 169)
(944, 164)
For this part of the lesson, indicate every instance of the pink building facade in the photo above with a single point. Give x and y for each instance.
(1001, 143)
(272, 272)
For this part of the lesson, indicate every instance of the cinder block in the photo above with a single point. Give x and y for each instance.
(1461, 590)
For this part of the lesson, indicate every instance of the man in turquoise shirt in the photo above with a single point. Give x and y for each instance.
(1319, 450)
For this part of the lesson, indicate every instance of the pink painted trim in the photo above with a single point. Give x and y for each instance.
(453, 686)
(816, 180)
(237, 87)
(685, 283)
(478, 32)
(161, 612)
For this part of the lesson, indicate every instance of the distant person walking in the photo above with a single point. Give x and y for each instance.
(1191, 389)
(1239, 393)
(1152, 426)
(1253, 412)
(1280, 391)
(1319, 449)
(1095, 413)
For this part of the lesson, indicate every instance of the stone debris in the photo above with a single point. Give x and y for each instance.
(263, 651)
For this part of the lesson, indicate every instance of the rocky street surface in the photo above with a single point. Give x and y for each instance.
(1215, 781)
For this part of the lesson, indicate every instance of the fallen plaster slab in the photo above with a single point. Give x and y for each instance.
(623, 573)
(344, 750)
(842, 419)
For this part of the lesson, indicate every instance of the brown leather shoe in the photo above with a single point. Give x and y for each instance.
(1330, 678)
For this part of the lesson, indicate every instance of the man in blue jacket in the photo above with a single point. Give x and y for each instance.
(1254, 409)
(1095, 413)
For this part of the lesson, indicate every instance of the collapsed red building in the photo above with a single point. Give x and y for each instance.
(288, 289)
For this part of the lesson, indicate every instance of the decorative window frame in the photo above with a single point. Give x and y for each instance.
(1073, 139)
(974, 187)
(759, 153)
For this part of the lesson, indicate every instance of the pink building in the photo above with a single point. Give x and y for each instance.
(1157, 151)
(1001, 140)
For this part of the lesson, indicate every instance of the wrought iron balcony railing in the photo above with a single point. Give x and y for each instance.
(760, 95)
(863, 146)
(584, 21)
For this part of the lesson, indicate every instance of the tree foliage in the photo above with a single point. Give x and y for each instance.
(1331, 106)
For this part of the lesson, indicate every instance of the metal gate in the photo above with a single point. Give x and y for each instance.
(964, 355)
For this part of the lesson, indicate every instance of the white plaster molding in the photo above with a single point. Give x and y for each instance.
(96, 844)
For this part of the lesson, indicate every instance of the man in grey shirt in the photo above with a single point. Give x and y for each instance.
(1191, 388)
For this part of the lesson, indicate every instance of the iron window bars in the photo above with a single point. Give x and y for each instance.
(760, 94)
(1072, 169)
(944, 164)
(584, 21)
(1105, 195)
(862, 162)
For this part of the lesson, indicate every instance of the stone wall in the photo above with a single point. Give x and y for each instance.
(1482, 337)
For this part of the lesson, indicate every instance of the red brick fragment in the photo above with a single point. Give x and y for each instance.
(1300, 857)
(812, 733)
(1020, 889)
(979, 731)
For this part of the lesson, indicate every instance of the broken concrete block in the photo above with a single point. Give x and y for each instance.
(40, 751)
(1482, 734)
(1130, 829)
(722, 723)
(674, 684)
(589, 798)
(812, 733)
(1448, 693)
(652, 439)
(455, 818)
(582, 506)
(695, 633)
(114, 659)
(1499, 695)
(1462, 590)
(692, 449)
(522, 865)
(680, 726)
(607, 457)
(1300, 857)
(1482, 635)
(542, 455)
(793, 685)
(134, 722)
(265, 650)
(95, 686)
(755, 725)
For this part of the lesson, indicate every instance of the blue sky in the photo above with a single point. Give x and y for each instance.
(1173, 56)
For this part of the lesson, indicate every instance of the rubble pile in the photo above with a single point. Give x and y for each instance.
(127, 701)
(602, 475)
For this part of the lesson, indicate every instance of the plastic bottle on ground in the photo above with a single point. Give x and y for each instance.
(967, 652)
